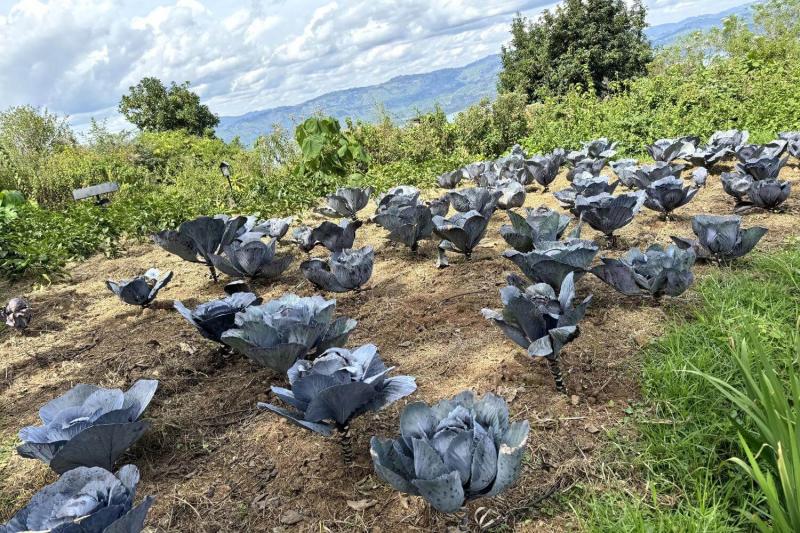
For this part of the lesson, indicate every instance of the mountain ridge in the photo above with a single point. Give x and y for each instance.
(453, 89)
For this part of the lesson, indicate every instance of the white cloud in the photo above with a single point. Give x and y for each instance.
(80, 56)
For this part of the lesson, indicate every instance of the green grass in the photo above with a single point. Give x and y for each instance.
(682, 461)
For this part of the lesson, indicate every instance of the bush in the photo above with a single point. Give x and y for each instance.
(40, 242)
(79, 166)
(491, 128)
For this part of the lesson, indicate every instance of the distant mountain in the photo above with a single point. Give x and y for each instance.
(665, 34)
(454, 89)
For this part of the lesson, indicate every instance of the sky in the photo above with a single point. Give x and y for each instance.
(78, 57)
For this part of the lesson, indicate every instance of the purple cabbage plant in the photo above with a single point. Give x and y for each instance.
(545, 168)
(85, 500)
(585, 185)
(346, 270)
(326, 394)
(699, 177)
(792, 139)
(552, 262)
(281, 331)
(668, 194)
(598, 149)
(88, 426)
(214, 318)
(668, 150)
(625, 170)
(655, 272)
(141, 290)
(17, 313)
(450, 180)
(274, 228)
(251, 259)
(540, 320)
(538, 225)
(480, 199)
(720, 238)
(453, 452)
(197, 240)
(736, 184)
(407, 224)
(334, 237)
(607, 214)
(346, 202)
(721, 145)
(460, 233)
(512, 193)
(646, 175)
(763, 168)
(769, 194)
(749, 152)
(593, 167)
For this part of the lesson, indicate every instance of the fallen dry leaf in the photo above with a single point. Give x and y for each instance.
(360, 505)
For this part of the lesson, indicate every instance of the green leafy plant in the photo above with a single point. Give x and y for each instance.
(581, 42)
(327, 151)
(769, 435)
(9, 200)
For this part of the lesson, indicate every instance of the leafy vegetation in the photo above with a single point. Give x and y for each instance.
(88, 426)
(771, 447)
(581, 43)
(151, 106)
(93, 496)
(322, 403)
(454, 451)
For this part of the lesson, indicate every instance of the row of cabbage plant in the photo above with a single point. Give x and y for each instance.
(458, 449)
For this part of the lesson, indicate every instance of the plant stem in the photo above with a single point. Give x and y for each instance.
(463, 523)
(555, 369)
(346, 444)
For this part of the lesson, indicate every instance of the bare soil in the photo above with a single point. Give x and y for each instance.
(216, 463)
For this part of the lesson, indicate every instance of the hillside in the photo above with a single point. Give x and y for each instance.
(454, 89)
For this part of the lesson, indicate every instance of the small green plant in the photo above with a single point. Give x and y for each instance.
(328, 152)
(9, 201)
(769, 435)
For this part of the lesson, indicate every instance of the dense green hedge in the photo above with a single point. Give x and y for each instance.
(674, 102)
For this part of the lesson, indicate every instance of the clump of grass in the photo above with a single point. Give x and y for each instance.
(769, 435)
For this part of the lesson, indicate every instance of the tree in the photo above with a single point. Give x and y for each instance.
(589, 43)
(151, 106)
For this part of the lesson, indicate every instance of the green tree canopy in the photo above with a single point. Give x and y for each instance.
(588, 43)
(151, 106)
